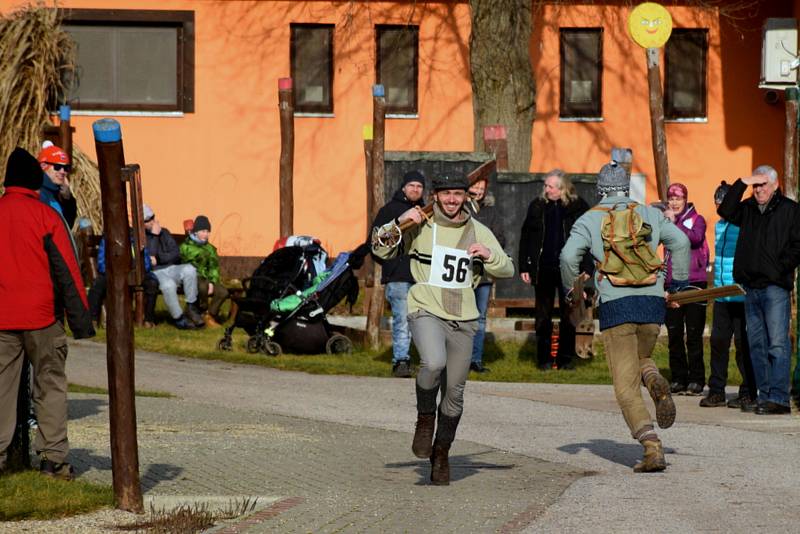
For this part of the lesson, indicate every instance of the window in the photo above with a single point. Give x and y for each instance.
(581, 73)
(312, 67)
(396, 66)
(132, 60)
(685, 74)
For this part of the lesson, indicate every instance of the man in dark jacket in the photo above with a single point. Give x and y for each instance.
(767, 253)
(396, 272)
(40, 281)
(165, 259)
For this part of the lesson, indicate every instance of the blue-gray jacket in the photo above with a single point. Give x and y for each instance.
(618, 304)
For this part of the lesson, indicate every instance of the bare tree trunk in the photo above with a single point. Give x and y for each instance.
(503, 85)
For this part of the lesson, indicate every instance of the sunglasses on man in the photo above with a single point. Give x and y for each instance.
(60, 167)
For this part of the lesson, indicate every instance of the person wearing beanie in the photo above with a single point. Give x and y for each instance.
(443, 250)
(544, 231)
(197, 251)
(396, 272)
(686, 354)
(55, 191)
(728, 322)
(41, 284)
(165, 259)
(630, 313)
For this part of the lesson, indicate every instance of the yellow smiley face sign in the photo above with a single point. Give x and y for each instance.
(650, 25)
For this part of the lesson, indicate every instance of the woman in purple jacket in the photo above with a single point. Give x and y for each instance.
(686, 359)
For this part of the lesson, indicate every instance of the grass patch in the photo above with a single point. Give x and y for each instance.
(509, 361)
(78, 388)
(189, 518)
(29, 495)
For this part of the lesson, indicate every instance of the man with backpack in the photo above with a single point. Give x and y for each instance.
(622, 236)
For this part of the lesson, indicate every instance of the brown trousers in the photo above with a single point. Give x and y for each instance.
(628, 350)
(219, 296)
(47, 350)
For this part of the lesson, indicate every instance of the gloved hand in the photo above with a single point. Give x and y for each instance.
(677, 285)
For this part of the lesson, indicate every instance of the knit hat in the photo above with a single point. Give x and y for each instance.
(50, 153)
(413, 176)
(451, 180)
(201, 222)
(677, 190)
(612, 178)
(147, 212)
(22, 170)
(722, 190)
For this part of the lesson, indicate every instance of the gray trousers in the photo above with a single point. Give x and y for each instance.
(169, 278)
(47, 350)
(443, 346)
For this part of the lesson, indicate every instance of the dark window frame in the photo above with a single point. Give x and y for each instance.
(182, 20)
(412, 109)
(670, 112)
(326, 109)
(564, 112)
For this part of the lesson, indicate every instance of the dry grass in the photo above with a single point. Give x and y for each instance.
(186, 519)
(37, 59)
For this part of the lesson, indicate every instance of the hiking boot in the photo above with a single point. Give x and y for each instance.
(660, 390)
(183, 323)
(422, 446)
(440, 464)
(62, 471)
(149, 324)
(653, 459)
(478, 367)
(210, 322)
(694, 389)
(193, 314)
(677, 388)
(748, 405)
(713, 400)
(402, 369)
(735, 403)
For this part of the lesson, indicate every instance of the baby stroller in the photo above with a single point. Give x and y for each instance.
(285, 303)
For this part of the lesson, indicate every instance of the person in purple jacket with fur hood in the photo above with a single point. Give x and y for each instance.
(686, 359)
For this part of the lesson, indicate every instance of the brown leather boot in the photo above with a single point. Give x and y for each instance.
(653, 459)
(210, 321)
(440, 464)
(422, 447)
(659, 390)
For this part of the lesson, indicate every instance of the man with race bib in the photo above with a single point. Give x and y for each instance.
(449, 252)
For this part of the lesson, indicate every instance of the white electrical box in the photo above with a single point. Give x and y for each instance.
(778, 51)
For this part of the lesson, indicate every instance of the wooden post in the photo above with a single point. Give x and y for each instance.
(375, 309)
(495, 142)
(366, 132)
(119, 325)
(66, 130)
(658, 135)
(791, 144)
(132, 175)
(286, 107)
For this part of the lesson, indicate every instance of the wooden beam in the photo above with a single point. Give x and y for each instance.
(286, 107)
(658, 135)
(375, 308)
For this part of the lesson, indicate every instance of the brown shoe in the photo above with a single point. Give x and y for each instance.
(440, 464)
(653, 459)
(210, 321)
(148, 324)
(62, 471)
(422, 447)
(662, 397)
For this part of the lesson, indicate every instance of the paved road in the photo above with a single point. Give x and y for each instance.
(333, 454)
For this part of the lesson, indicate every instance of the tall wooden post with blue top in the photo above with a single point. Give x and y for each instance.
(375, 307)
(119, 324)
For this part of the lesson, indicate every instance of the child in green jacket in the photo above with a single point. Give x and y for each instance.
(196, 250)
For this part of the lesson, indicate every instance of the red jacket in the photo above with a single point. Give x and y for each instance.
(39, 275)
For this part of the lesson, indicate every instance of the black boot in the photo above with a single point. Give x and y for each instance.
(426, 420)
(194, 315)
(440, 463)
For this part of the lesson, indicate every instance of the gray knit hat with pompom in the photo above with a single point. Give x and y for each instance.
(612, 178)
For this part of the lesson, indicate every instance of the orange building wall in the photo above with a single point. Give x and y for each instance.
(222, 160)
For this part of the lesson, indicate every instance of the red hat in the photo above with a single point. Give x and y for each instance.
(50, 153)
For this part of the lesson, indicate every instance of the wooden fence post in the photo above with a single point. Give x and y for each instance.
(119, 325)
(658, 135)
(375, 309)
(286, 107)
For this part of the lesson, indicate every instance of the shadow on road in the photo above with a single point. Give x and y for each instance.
(461, 466)
(626, 454)
(80, 408)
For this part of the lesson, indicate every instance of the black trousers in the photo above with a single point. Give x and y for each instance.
(686, 358)
(97, 294)
(548, 285)
(729, 322)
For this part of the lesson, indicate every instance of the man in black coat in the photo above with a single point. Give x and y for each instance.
(767, 253)
(396, 272)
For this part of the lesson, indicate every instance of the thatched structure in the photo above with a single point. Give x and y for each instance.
(36, 59)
